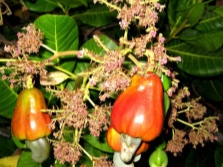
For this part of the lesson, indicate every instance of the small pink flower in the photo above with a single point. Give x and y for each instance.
(8, 63)
(7, 48)
(80, 53)
(152, 34)
(161, 39)
(178, 58)
(4, 77)
(92, 81)
(19, 34)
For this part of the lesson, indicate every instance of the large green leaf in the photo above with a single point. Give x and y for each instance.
(176, 19)
(210, 21)
(184, 4)
(211, 89)
(98, 142)
(210, 41)
(38, 6)
(71, 3)
(7, 147)
(25, 159)
(7, 101)
(10, 161)
(195, 60)
(50, 5)
(193, 13)
(60, 31)
(97, 16)
(60, 34)
(172, 12)
(218, 10)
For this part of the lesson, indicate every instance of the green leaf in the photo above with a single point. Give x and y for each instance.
(50, 5)
(210, 22)
(211, 89)
(92, 150)
(193, 13)
(10, 161)
(210, 41)
(25, 159)
(60, 34)
(184, 4)
(218, 10)
(7, 147)
(175, 20)
(97, 16)
(39, 7)
(98, 142)
(71, 3)
(218, 156)
(8, 100)
(58, 164)
(85, 160)
(195, 60)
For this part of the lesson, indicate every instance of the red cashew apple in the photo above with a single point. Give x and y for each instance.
(138, 111)
(28, 121)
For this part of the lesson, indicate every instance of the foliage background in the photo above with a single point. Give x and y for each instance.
(193, 30)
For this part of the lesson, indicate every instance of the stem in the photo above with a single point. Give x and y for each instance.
(76, 136)
(29, 83)
(126, 34)
(183, 111)
(65, 71)
(110, 5)
(61, 6)
(198, 123)
(126, 51)
(186, 123)
(89, 156)
(97, 39)
(64, 53)
(134, 60)
(48, 48)
(8, 60)
(7, 9)
(86, 94)
(174, 32)
(55, 111)
(89, 99)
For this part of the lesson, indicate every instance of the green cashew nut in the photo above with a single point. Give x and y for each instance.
(158, 158)
(40, 149)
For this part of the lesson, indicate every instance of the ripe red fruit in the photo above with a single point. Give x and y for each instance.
(138, 111)
(28, 121)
